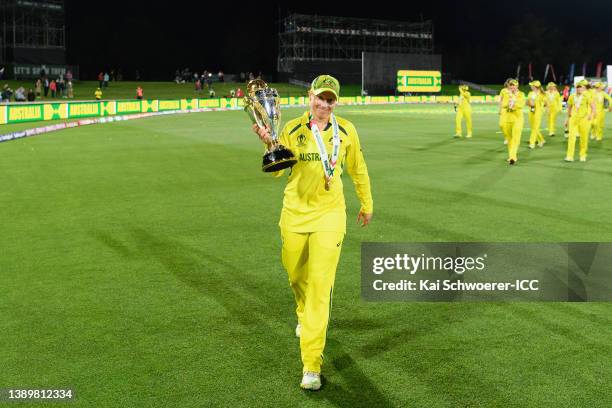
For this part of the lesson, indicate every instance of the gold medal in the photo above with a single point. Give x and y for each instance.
(327, 183)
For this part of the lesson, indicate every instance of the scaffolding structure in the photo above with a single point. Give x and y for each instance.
(31, 30)
(313, 38)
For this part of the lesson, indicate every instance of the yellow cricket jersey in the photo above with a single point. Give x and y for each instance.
(514, 113)
(580, 105)
(464, 100)
(600, 97)
(307, 206)
(538, 99)
(553, 99)
(591, 93)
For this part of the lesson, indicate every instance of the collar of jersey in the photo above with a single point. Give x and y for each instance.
(307, 119)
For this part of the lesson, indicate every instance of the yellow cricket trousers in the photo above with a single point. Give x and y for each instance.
(552, 122)
(513, 131)
(535, 121)
(502, 122)
(463, 114)
(598, 124)
(578, 128)
(311, 260)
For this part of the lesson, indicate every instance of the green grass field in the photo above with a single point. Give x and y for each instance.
(84, 90)
(141, 267)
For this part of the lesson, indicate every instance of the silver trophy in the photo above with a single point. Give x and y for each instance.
(263, 107)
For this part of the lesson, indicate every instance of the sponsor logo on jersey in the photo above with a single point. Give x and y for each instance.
(310, 157)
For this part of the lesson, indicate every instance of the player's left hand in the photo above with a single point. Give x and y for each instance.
(364, 218)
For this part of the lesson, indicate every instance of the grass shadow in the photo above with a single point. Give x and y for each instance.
(220, 279)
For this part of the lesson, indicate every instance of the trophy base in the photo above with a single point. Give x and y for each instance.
(278, 159)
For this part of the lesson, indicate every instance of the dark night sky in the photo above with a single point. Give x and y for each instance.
(475, 38)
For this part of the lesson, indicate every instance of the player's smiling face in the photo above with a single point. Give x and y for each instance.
(321, 106)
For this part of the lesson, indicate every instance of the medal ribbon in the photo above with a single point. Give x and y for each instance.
(328, 165)
(578, 101)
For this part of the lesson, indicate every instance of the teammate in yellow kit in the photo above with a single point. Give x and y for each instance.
(536, 102)
(464, 111)
(502, 112)
(313, 218)
(513, 102)
(580, 113)
(603, 102)
(553, 102)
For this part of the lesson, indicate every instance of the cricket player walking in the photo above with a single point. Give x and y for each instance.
(580, 114)
(536, 101)
(513, 102)
(601, 100)
(464, 111)
(553, 101)
(313, 218)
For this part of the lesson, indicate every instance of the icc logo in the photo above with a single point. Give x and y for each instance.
(301, 140)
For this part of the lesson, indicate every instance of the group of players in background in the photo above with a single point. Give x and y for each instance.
(586, 112)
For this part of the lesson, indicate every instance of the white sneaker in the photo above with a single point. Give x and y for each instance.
(532, 146)
(541, 144)
(505, 141)
(569, 159)
(298, 330)
(311, 381)
(583, 159)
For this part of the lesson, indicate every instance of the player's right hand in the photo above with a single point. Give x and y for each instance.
(262, 133)
(364, 218)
